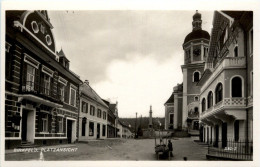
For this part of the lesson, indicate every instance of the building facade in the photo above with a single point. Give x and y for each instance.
(226, 95)
(41, 93)
(93, 114)
(184, 101)
(169, 113)
(111, 121)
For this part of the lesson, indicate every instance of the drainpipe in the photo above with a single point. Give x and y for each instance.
(246, 92)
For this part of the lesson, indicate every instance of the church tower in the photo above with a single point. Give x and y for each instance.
(195, 48)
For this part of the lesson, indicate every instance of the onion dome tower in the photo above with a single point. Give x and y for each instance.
(195, 47)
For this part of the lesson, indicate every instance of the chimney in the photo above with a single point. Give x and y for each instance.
(86, 82)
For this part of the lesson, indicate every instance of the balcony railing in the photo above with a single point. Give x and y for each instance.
(235, 150)
(234, 62)
(227, 102)
(41, 91)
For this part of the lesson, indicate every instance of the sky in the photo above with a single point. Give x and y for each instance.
(133, 57)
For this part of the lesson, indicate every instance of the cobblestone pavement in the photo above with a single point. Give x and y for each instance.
(117, 149)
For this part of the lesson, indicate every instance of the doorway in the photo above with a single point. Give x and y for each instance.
(98, 131)
(216, 135)
(24, 125)
(28, 125)
(69, 130)
(224, 135)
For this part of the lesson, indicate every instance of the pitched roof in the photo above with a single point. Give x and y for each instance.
(170, 100)
(88, 91)
(112, 107)
(61, 54)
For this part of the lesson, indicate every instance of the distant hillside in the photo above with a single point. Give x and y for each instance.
(144, 122)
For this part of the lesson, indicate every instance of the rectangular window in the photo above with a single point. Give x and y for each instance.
(104, 115)
(72, 96)
(46, 84)
(104, 130)
(30, 78)
(60, 120)
(61, 92)
(251, 41)
(45, 123)
(171, 118)
(92, 110)
(91, 128)
(99, 113)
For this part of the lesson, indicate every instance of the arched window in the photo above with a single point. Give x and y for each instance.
(196, 76)
(236, 84)
(196, 98)
(210, 99)
(203, 104)
(196, 111)
(236, 51)
(219, 93)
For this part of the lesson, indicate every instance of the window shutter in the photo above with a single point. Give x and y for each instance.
(67, 91)
(41, 87)
(56, 124)
(49, 122)
(39, 128)
(64, 125)
(24, 73)
(37, 79)
(51, 88)
(82, 104)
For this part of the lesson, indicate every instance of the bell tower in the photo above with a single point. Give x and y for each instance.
(195, 49)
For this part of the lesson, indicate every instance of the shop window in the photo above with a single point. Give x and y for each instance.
(236, 84)
(219, 93)
(91, 128)
(60, 121)
(45, 123)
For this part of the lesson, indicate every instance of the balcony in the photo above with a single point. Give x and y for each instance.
(40, 94)
(227, 63)
(226, 103)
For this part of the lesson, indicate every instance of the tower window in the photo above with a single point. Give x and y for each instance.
(236, 51)
(196, 76)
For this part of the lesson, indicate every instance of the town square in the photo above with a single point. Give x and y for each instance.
(128, 85)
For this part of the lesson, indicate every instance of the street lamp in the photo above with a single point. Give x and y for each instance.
(135, 125)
